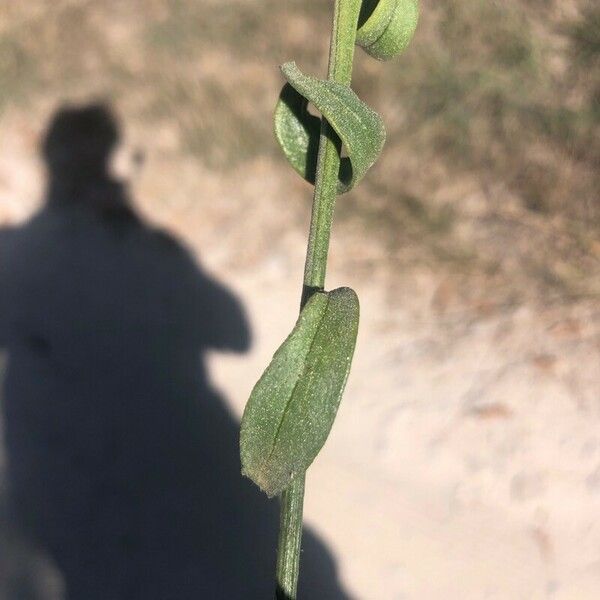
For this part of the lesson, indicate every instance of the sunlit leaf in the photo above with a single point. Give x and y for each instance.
(387, 27)
(292, 407)
(360, 129)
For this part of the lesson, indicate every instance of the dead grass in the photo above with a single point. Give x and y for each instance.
(493, 114)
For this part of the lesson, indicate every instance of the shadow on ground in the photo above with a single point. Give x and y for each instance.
(122, 460)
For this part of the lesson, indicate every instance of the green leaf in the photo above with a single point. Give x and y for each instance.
(386, 27)
(297, 132)
(360, 129)
(292, 407)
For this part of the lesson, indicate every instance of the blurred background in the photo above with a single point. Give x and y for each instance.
(465, 461)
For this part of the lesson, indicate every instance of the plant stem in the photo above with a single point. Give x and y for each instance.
(341, 57)
(290, 538)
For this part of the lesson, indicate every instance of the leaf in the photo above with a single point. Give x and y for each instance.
(297, 132)
(386, 27)
(293, 406)
(360, 128)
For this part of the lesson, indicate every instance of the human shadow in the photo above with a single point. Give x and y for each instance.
(122, 458)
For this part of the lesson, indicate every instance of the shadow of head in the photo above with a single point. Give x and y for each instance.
(77, 150)
(79, 142)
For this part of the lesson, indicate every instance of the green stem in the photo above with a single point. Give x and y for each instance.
(290, 538)
(341, 57)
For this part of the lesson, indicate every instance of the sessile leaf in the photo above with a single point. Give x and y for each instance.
(360, 128)
(386, 27)
(293, 406)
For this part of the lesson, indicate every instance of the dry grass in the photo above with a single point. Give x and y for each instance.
(493, 116)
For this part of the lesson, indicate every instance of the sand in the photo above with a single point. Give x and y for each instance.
(465, 460)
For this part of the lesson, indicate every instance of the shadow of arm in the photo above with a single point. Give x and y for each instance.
(214, 317)
(224, 325)
(5, 235)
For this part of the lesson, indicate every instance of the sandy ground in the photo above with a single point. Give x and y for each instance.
(465, 461)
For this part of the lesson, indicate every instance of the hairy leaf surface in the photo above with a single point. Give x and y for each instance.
(360, 129)
(387, 27)
(292, 407)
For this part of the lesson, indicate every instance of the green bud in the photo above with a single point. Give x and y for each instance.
(387, 27)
